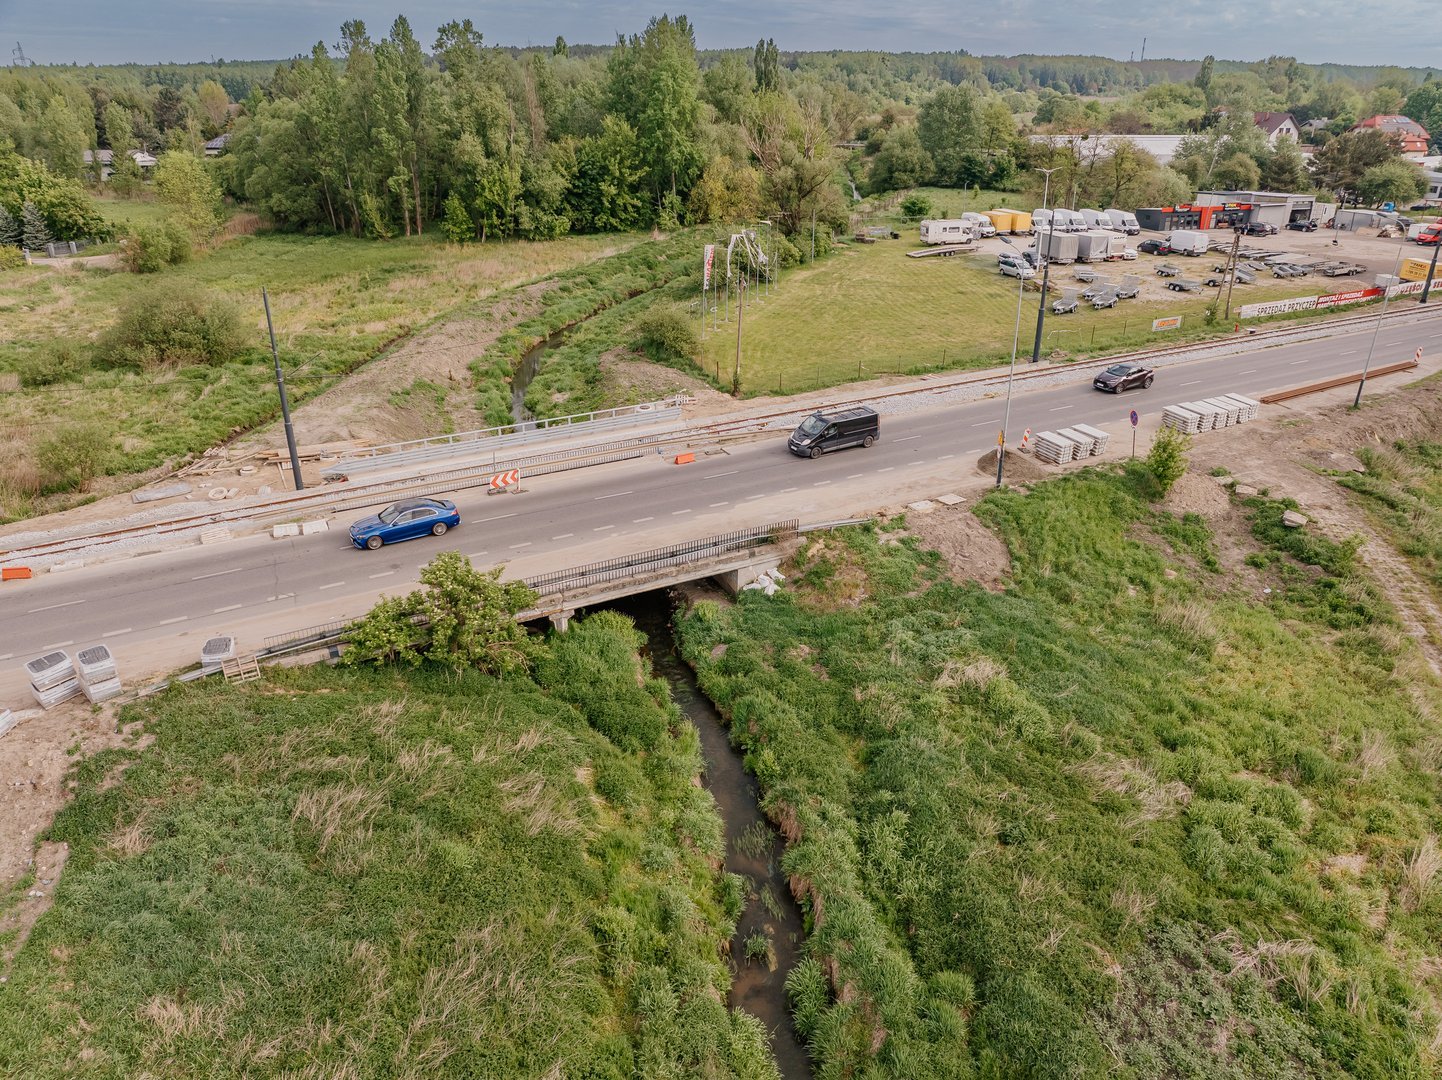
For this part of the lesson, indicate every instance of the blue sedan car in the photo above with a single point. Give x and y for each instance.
(405, 521)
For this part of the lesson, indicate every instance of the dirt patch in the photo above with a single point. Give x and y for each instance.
(1020, 468)
(34, 758)
(971, 550)
(1200, 495)
(630, 380)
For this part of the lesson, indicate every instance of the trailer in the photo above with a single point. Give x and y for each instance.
(946, 231)
(1094, 245)
(1057, 247)
(1342, 269)
(943, 250)
(1182, 284)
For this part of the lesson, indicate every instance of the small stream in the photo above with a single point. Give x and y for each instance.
(526, 371)
(753, 848)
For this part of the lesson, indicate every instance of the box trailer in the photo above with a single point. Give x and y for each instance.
(1414, 269)
(1188, 242)
(1001, 219)
(946, 231)
(1021, 222)
(1057, 247)
(1124, 221)
(1094, 245)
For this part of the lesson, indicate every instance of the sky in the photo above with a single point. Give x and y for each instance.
(1404, 32)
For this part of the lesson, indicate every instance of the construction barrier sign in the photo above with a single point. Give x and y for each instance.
(505, 479)
(1171, 322)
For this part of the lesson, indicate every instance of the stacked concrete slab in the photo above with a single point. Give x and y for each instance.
(99, 678)
(1097, 435)
(52, 678)
(1053, 447)
(1085, 444)
(1183, 419)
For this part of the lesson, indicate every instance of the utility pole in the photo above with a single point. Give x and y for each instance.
(1427, 288)
(1045, 258)
(284, 403)
(1232, 269)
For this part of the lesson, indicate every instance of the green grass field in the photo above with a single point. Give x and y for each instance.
(378, 874)
(869, 310)
(1133, 817)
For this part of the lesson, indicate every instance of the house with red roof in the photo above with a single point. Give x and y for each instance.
(1413, 135)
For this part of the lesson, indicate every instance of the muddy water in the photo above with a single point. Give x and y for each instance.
(526, 371)
(753, 849)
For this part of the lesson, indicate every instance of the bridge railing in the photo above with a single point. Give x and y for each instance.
(645, 562)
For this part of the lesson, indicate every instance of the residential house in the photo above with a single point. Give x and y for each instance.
(1276, 125)
(216, 146)
(1415, 139)
(106, 159)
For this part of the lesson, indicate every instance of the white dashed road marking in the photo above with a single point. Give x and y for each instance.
(52, 607)
(223, 610)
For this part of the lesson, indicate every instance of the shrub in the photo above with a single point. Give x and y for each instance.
(58, 361)
(457, 224)
(74, 456)
(1167, 459)
(173, 324)
(667, 334)
(786, 253)
(11, 258)
(915, 207)
(149, 248)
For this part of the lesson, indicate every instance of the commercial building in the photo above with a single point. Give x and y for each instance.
(1228, 209)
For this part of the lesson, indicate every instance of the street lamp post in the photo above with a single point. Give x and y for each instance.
(1045, 260)
(1011, 376)
(1366, 366)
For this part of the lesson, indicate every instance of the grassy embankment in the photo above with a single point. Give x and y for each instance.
(337, 302)
(1402, 487)
(392, 874)
(1136, 816)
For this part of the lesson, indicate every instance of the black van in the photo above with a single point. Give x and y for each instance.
(820, 433)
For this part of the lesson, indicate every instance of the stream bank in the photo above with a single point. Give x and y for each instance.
(769, 934)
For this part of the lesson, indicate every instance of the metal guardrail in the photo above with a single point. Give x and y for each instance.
(580, 577)
(519, 433)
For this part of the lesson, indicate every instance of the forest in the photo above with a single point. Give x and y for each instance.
(403, 134)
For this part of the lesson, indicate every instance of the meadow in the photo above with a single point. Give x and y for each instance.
(387, 873)
(337, 302)
(869, 310)
(1163, 807)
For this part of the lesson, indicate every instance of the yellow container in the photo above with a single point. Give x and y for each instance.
(1002, 220)
(1414, 269)
(1021, 222)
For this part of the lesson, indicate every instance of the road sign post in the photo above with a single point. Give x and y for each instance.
(1134, 419)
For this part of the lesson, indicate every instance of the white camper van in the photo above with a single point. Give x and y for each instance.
(1124, 221)
(1187, 242)
(946, 231)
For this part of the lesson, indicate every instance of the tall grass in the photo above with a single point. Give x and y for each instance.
(383, 874)
(1118, 801)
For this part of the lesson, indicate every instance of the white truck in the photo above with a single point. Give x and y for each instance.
(1188, 242)
(946, 231)
(1124, 221)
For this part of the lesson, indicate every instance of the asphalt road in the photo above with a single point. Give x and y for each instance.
(632, 505)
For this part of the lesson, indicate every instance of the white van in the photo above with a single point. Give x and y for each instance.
(1188, 242)
(1096, 219)
(946, 231)
(1124, 221)
(1069, 220)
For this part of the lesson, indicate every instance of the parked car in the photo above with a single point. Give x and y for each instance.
(1302, 226)
(1016, 269)
(1121, 377)
(405, 520)
(1430, 236)
(1129, 254)
(1154, 247)
(1258, 228)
